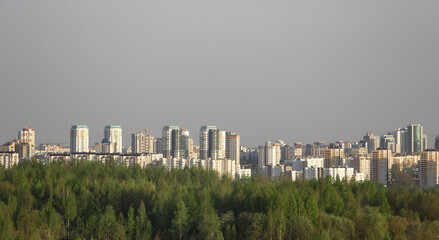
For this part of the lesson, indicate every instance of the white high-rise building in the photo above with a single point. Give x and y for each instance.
(149, 144)
(79, 138)
(213, 143)
(221, 148)
(114, 135)
(8, 159)
(208, 138)
(269, 154)
(26, 144)
(175, 142)
(27, 135)
(142, 143)
(400, 140)
(170, 141)
(138, 142)
(361, 164)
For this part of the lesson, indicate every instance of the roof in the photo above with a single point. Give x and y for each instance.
(113, 126)
(79, 126)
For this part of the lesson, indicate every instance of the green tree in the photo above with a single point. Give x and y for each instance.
(69, 212)
(143, 224)
(109, 227)
(397, 227)
(376, 224)
(208, 224)
(180, 222)
(130, 224)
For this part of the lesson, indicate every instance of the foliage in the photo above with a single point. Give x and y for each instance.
(89, 200)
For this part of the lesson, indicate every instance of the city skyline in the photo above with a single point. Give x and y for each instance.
(364, 139)
(219, 119)
(292, 70)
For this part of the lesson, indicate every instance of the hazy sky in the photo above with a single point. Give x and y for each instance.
(297, 70)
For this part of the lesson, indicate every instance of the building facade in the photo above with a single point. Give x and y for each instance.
(138, 142)
(233, 148)
(79, 138)
(371, 141)
(27, 135)
(269, 155)
(142, 143)
(114, 134)
(8, 159)
(415, 139)
(333, 157)
(381, 160)
(388, 141)
(212, 143)
(175, 142)
(429, 169)
(106, 146)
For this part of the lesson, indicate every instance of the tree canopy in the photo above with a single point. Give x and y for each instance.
(90, 200)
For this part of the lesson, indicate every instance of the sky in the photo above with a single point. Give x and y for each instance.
(296, 70)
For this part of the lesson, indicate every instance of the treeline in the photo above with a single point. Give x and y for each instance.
(88, 200)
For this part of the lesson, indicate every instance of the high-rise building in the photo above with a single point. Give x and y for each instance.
(400, 140)
(204, 141)
(298, 150)
(288, 152)
(175, 142)
(170, 141)
(269, 154)
(158, 145)
(424, 142)
(415, 138)
(8, 159)
(138, 142)
(149, 144)
(429, 169)
(185, 144)
(361, 164)
(371, 141)
(212, 143)
(333, 157)
(25, 146)
(388, 141)
(114, 134)
(79, 140)
(310, 149)
(233, 148)
(320, 148)
(190, 146)
(27, 135)
(142, 143)
(221, 149)
(436, 143)
(25, 150)
(381, 160)
(105, 146)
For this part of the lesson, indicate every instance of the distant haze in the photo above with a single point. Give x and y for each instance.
(279, 69)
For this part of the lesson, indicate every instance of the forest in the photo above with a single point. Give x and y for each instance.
(91, 200)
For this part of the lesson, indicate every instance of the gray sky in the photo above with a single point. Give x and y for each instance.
(297, 70)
